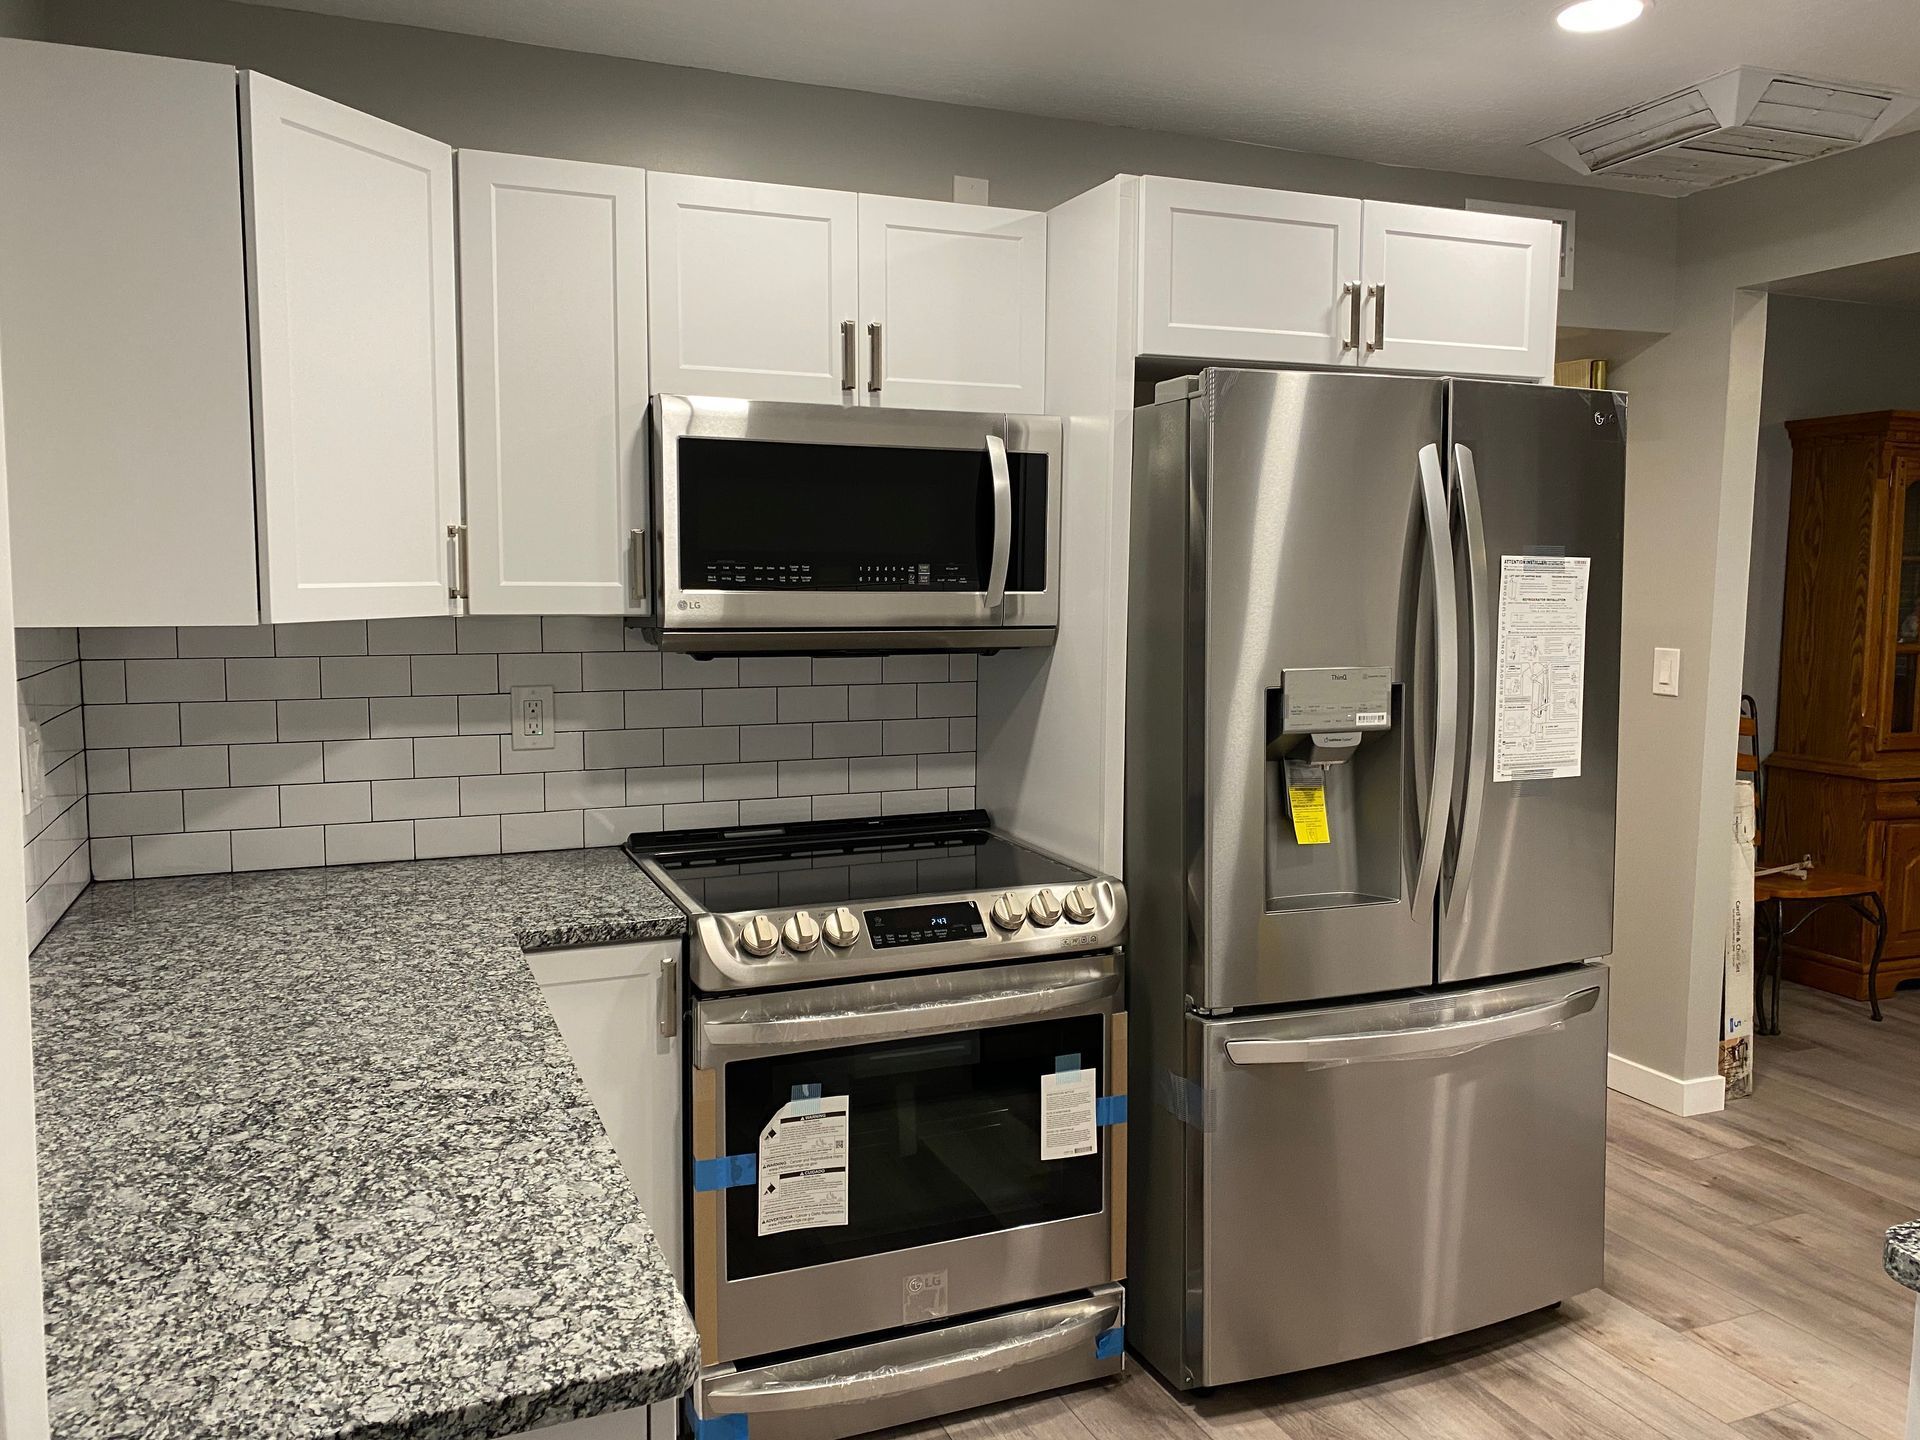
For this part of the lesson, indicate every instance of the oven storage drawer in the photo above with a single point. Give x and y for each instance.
(932, 1196)
(924, 1373)
(1376, 1175)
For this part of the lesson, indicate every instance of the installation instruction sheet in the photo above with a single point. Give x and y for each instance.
(1541, 670)
(803, 1166)
(1069, 1123)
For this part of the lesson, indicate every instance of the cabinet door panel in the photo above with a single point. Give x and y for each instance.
(357, 442)
(124, 305)
(1902, 891)
(1459, 292)
(751, 286)
(960, 295)
(1228, 272)
(553, 348)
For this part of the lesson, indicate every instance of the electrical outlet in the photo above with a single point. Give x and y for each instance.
(533, 717)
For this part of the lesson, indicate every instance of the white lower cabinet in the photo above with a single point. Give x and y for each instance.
(953, 301)
(612, 1004)
(1459, 292)
(553, 353)
(350, 269)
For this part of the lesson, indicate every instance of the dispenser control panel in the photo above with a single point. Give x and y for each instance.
(1336, 698)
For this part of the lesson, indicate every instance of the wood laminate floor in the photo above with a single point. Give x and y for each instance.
(1744, 1297)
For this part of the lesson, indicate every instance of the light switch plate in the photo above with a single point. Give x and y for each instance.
(1666, 671)
(533, 717)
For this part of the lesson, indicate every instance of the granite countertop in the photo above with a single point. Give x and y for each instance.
(314, 1160)
(1903, 1254)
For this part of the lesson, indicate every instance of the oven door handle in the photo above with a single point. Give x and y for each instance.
(1067, 1329)
(1002, 521)
(902, 1020)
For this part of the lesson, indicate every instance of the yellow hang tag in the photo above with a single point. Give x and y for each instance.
(1307, 802)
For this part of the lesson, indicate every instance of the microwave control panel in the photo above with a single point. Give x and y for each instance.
(855, 575)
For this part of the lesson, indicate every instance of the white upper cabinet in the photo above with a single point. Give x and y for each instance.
(1230, 272)
(953, 305)
(123, 304)
(1459, 291)
(351, 277)
(754, 289)
(553, 352)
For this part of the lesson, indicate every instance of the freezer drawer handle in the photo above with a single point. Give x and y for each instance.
(1064, 1330)
(1426, 1043)
(896, 1021)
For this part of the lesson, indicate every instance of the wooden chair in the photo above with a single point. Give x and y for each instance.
(1807, 885)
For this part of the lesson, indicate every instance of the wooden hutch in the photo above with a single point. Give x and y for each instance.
(1843, 782)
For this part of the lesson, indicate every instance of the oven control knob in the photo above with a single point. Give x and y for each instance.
(842, 928)
(1007, 913)
(1044, 908)
(801, 932)
(1078, 903)
(758, 937)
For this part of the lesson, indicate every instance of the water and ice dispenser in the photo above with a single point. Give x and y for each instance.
(1334, 776)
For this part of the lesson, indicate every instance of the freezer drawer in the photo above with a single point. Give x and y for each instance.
(1377, 1175)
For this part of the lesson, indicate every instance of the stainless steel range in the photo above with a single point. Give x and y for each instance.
(906, 1077)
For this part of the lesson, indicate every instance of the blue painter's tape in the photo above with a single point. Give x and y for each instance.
(1111, 1110)
(1063, 1063)
(1107, 1344)
(717, 1427)
(725, 1172)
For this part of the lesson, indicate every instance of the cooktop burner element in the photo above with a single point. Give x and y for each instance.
(825, 900)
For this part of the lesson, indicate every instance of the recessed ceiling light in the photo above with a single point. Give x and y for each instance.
(1584, 17)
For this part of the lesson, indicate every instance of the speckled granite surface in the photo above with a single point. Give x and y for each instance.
(315, 1162)
(1903, 1254)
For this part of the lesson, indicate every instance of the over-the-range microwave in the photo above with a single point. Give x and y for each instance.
(781, 526)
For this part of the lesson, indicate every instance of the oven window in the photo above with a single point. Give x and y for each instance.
(944, 1136)
(762, 514)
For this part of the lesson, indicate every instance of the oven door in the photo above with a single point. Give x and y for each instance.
(946, 1205)
(794, 526)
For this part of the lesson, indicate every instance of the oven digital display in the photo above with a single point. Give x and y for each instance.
(925, 924)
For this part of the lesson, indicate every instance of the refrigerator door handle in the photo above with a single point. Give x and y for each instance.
(1446, 674)
(1425, 1043)
(1466, 840)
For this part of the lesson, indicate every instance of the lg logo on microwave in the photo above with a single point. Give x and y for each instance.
(689, 604)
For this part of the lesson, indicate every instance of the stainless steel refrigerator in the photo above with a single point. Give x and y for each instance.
(1372, 708)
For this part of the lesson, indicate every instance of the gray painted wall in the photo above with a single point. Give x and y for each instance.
(1824, 357)
(490, 94)
(23, 19)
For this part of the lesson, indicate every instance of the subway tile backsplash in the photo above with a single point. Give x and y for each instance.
(250, 748)
(47, 668)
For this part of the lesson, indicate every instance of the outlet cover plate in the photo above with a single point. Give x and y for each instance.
(533, 717)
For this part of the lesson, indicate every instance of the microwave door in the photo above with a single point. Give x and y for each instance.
(791, 518)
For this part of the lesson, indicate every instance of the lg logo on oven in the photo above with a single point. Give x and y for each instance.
(923, 1297)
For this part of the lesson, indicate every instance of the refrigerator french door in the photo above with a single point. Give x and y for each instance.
(1372, 698)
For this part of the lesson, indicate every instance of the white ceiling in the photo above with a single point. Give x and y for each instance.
(1444, 84)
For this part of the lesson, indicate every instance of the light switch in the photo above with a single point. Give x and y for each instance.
(1666, 671)
(533, 717)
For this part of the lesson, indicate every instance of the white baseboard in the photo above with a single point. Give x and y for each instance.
(1670, 1093)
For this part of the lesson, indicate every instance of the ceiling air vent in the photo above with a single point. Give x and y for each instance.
(1743, 123)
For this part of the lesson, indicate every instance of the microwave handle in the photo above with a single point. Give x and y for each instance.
(1002, 521)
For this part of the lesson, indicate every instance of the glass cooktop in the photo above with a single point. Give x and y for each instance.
(826, 863)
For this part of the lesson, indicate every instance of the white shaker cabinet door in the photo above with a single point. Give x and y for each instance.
(754, 289)
(1230, 272)
(553, 351)
(123, 302)
(953, 305)
(1459, 292)
(357, 441)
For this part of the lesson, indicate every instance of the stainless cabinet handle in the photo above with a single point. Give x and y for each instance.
(637, 570)
(1480, 707)
(670, 996)
(874, 362)
(915, 1362)
(1378, 294)
(1427, 1042)
(1351, 294)
(846, 356)
(457, 584)
(1002, 522)
(1446, 672)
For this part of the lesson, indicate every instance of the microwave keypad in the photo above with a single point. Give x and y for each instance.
(888, 575)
